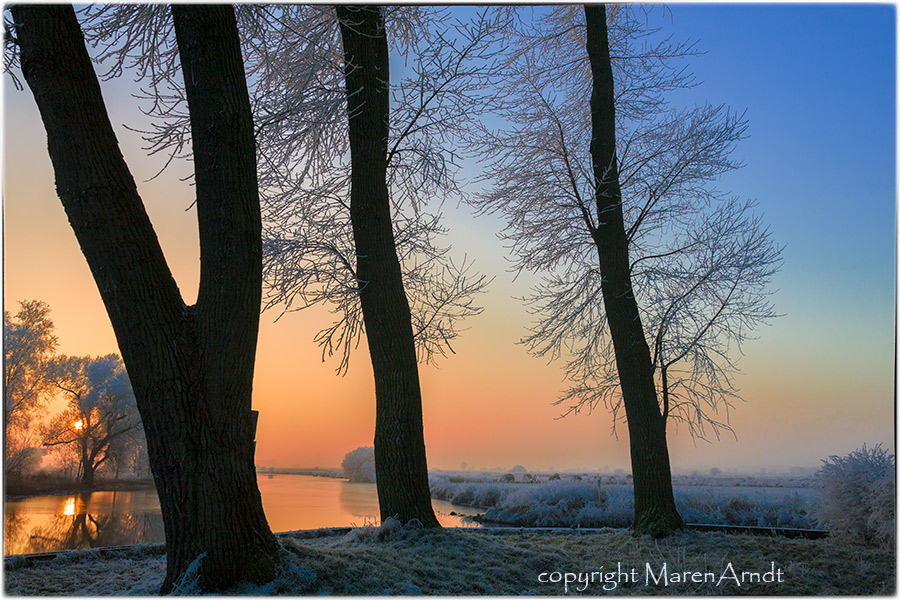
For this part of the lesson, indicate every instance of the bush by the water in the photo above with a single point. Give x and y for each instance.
(359, 465)
(858, 495)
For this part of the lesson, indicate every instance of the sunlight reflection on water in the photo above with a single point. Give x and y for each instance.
(98, 519)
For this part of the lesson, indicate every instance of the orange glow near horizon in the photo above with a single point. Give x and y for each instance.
(808, 395)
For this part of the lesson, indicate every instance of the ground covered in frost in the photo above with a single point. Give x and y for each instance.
(402, 561)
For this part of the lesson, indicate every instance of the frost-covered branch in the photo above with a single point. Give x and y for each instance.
(294, 64)
(309, 249)
(701, 261)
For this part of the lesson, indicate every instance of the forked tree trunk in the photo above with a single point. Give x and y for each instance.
(401, 470)
(654, 501)
(191, 368)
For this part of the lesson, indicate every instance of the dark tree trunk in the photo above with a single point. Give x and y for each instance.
(87, 476)
(87, 479)
(654, 502)
(191, 367)
(87, 465)
(400, 467)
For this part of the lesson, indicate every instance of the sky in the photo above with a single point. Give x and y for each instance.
(818, 86)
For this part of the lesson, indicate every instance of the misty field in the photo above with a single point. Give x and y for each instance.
(404, 561)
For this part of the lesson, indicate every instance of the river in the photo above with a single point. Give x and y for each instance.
(98, 519)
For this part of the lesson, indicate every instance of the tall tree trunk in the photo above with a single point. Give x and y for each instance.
(401, 470)
(191, 368)
(87, 477)
(654, 501)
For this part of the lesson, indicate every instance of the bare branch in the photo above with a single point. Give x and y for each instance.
(700, 260)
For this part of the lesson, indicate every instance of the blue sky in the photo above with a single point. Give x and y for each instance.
(818, 83)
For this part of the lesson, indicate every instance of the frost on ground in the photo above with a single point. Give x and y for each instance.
(407, 561)
(593, 501)
(138, 571)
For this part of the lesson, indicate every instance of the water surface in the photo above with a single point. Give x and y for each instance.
(99, 519)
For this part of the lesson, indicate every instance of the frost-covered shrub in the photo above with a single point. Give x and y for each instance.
(571, 494)
(480, 494)
(618, 506)
(609, 502)
(290, 580)
(359, 465)
(857, 500)
(779, 510)
(552, 504)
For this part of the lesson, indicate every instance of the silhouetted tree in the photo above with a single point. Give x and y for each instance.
(309, 252)
(652, 277)
(654, 502)
(400, 464)
(191, 367)
(311, 256)
(298, 98)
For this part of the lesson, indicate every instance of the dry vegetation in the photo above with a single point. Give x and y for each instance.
(393, 560)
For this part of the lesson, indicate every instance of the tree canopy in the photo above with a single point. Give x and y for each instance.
(100, 414)
(29, 346)
(701, 260)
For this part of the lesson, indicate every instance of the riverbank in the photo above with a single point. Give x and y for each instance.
(369, 560)
(314, 472)
(52, 486)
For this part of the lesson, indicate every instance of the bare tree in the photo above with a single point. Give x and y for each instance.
(295, 66)
(655, 325)
(314, 252)
(101, 411)
(349, 220)
(310, 253)
(29, 346)
(128, 455)
(400, 464)
(191, 367)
